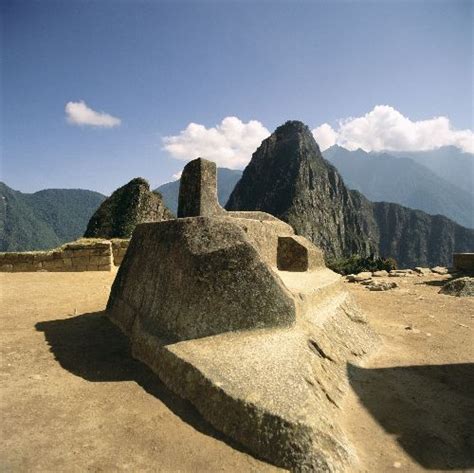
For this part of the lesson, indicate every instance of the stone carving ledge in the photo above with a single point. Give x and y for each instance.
(241, 317)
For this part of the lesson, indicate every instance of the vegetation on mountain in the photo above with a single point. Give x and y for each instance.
(289, 178)
(355, 264)
(44, 219)
(128, 206)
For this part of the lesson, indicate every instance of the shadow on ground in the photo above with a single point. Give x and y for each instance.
(91, 347)
(429, 408)
(433, 282)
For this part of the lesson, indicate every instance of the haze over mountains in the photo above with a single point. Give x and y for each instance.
(403, 180)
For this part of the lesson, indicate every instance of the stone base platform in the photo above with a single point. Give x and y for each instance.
(275, 391)
(240, 316)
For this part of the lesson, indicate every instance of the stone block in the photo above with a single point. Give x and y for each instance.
(6, 267)
(198, 190)
(463, 262)
(23, 267)
(104, 267)
(80, 267)
(67, 262)
(363, 276)
(296, 253)
(98, 260)
(227, 285)
(53, 265)
(80, 261)
(82, 253)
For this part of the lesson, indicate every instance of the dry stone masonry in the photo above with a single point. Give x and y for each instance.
(242, 318)
(82, 255)
(464, 262)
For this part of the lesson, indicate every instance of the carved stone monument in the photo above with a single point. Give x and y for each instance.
(242, 318)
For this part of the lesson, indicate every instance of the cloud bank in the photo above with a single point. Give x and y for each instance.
(78, 113)
(230, 144)
(385, 128)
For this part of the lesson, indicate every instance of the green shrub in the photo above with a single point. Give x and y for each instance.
(355, 264)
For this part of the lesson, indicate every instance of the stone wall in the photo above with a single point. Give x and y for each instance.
(463, 261)
(81, 255)
(119, 248)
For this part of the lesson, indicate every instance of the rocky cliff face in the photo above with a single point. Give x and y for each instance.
(128, 206)
(289, 178)
(415, 238)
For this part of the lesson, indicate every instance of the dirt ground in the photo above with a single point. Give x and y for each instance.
(73, 399)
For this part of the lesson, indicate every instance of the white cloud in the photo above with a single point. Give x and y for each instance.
(229, 144)
(385, 128)
(176, 176)
(78, 113)
(325, 136)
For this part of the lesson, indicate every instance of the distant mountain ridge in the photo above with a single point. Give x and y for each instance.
(383, 177)
(226, 181)
(448, 162)
(289, 178)
(44, 219)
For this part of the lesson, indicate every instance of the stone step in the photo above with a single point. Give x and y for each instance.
(316, 292)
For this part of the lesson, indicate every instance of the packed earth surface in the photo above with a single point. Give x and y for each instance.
(73, 399)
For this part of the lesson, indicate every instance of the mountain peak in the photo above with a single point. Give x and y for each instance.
(292, 126)
(288, 177)
(128, 206)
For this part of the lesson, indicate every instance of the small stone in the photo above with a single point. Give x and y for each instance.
(363, 276)
(460, 287)
(440, 270)
(350, 278)
(380, 274)
(381, 286)
(397, 465)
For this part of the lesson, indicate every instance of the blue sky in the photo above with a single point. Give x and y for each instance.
(158, 66)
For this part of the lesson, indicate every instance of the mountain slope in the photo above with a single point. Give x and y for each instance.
(383, 177)
(44, 219)
(415, 238)
(448, 162)
(226, 181)
(289, 178)
(128, 206)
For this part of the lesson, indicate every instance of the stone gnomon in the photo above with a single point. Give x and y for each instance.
(242, 318)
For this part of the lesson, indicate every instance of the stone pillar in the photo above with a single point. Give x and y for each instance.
(198, 190)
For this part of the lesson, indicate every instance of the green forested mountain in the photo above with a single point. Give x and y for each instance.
(44, 219)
